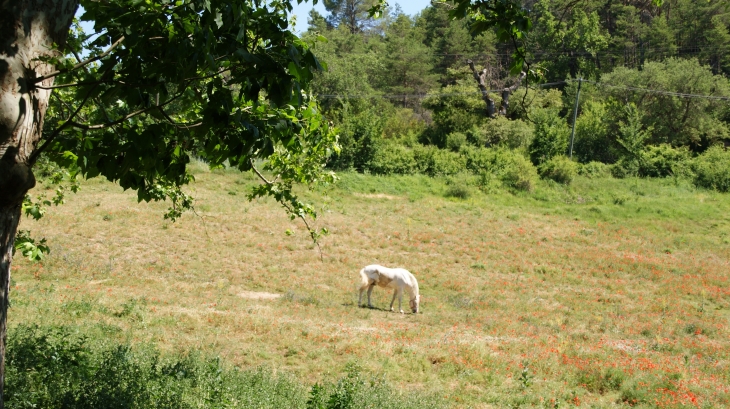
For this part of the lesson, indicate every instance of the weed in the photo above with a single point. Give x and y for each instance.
(458, 191)
(525, 378)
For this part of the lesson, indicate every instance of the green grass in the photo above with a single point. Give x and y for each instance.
(605, 293)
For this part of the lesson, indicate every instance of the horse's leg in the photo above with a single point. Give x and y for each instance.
(400, 300)
(370, 291)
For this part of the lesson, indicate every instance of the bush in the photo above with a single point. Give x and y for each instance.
(632, 137)
(457, 188)
(519, 174)
(392, 158)
(455, 140)
(662, 160)
(55, 368)
(509, 167)
(595, 170)
(402, 122)
(551, 136)
(353, 391)
(712, 169)
(361, 134)
(591, 135)
(433, 161)
(514, 134)
(560, 169)
(625, 168)
(52, 368)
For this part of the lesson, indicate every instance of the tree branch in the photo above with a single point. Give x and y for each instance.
(124, 118)
(311, 231)
(34, 156)
(179, 124)
(81, 64)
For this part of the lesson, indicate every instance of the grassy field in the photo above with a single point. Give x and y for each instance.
(608, 293)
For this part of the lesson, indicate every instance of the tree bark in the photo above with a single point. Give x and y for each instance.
(481, 79)
(506, 92)
(29, 30)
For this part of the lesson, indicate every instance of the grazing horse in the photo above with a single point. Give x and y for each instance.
(398, 279)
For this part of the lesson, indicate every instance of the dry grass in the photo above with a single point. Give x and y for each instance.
(562, 296)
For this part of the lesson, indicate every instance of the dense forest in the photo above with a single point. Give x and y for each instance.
(421, 94)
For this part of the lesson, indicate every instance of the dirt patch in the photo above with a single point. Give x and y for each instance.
(376, 196)
(253, 295)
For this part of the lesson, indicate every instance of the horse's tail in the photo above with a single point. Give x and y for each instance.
(364, 279)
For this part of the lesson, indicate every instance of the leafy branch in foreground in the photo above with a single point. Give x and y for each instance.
(300, 161)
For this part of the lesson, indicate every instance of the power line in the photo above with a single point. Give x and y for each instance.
(609, 52)
(551, 84)
(662, 92)
(421, 96)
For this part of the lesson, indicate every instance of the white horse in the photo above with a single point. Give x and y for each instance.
(398, 279)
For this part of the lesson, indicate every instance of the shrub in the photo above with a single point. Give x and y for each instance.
(624, 168)
(535, 100)
(354, 391)
(514, 134)
(402, 122)
(458, 109)
(662, 160)
(56, 368)
(591, 135)
(551, 136)
(52, 368)
(560, 169)
(594, 170)
(457, 188)
(519, 174)
(632, 136)
(361, 134)
(455, 140)
(438, 162)
(392, 158)
(509, 167)
(712, 169)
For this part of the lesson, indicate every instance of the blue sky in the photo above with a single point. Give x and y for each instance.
(409, 7)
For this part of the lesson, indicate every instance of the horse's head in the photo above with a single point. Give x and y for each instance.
(414, 303)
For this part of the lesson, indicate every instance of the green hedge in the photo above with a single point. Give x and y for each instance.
(712, 169)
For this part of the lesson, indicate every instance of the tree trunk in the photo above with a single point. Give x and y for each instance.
(9, 219)
(481, 78)
(507, 92)
(28, 30)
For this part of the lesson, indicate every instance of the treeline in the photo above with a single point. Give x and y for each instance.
(654, 93)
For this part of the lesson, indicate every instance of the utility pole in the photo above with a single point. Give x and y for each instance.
(575, 116)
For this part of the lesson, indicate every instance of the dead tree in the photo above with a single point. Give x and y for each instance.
(483, 79)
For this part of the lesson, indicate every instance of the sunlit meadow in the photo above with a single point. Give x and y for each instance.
(608, 293)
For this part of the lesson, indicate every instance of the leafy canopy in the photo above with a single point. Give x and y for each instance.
(166, 80)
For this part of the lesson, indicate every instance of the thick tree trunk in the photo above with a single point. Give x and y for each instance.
(9, 219)
(29, 29)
